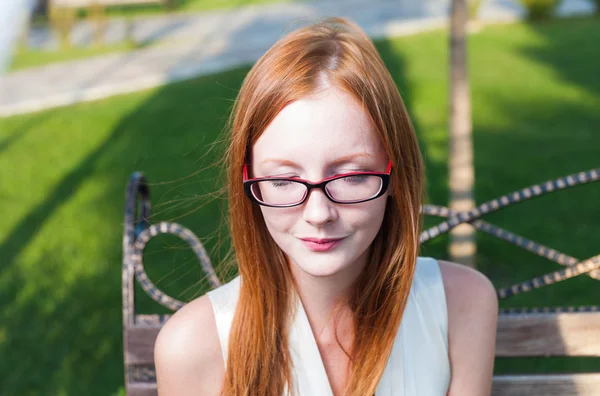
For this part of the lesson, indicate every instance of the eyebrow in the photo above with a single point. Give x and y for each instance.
(336, 162)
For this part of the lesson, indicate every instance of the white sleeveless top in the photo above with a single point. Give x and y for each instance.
(418, 363)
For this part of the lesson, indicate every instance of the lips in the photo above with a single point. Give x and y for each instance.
(321, 240)
(321, 244)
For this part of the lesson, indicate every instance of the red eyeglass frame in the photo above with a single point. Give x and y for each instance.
(385, 177)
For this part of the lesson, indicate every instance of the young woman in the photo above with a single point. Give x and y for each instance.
(325, 189)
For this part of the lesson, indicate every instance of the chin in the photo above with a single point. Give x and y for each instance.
(321, 265)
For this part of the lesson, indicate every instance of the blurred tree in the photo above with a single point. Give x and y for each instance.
(462, 247)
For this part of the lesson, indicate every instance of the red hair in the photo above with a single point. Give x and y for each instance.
(338, 53)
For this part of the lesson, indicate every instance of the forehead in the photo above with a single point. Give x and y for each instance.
(319, 129)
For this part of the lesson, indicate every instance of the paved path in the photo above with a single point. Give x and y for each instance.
(193, 45)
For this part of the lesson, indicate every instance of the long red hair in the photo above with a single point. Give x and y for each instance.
(339, 52)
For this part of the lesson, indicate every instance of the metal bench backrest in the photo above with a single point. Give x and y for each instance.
(566, 331)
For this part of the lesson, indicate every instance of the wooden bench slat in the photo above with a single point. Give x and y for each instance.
(503, 385)
(141, 389)
(562, 334)
(139, 344)
(547, 385)
(541, 338)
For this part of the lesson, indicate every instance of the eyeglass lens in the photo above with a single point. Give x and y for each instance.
(346, 189)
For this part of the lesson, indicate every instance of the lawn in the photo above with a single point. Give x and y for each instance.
(193, 6)
(63, 172)
(168, 6)
(25, 58)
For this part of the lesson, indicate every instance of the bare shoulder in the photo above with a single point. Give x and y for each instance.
(472, 321)
(187, 352)
(470, 296)
(462, 284)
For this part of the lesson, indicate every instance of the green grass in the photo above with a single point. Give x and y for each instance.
(183, 6)
(26, 58)
(63, 172)
(191, 6)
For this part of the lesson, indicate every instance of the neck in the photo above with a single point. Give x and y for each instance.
(321, 296)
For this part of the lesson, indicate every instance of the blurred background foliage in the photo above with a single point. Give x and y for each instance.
(63, 173)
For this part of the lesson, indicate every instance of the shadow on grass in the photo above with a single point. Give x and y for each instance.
(529, 130)
(20, 132)
(60, 332)
(397, 63)
(66, 329)
(534, 129)
(61, 328)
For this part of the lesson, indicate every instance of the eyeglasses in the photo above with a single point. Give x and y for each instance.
(348, 188)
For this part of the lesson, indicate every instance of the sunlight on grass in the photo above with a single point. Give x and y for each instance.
(209, 5)
(28, 58)
(179, 6)
(63, 173)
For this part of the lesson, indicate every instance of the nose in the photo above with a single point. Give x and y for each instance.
(318, 209)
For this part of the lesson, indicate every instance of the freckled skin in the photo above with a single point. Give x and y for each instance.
(313, 132)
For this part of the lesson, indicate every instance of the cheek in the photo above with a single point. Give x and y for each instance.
(368, 216)
(278, 220)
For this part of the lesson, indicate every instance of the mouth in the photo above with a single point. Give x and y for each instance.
(321, 244)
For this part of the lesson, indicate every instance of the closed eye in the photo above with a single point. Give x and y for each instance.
(355, 179)
(281, 183)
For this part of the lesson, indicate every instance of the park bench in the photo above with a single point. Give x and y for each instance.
(531, 332)
(63, 15)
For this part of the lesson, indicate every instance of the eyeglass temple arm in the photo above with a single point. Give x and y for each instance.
(245, 171)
